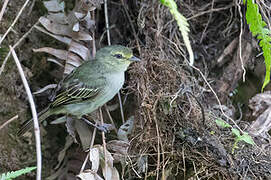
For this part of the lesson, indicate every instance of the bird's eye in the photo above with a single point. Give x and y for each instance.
(119, 56)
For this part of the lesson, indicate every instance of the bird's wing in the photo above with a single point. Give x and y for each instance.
(75, 90)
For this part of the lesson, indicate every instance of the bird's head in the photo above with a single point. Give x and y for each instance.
(117, 56)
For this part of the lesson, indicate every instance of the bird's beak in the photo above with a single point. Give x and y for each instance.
(133, 58)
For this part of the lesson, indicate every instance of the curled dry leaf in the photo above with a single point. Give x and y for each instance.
(50, 86)
(74, 46)
(68, 69)
(59, 18)
(109, 171)
(118, 146)
(55, 28)
(84, 132)
(120, 149)
(89, 175)
(142, 164)
(65, 30)
(54, 5)
(56, 61)
(126, 129)
(69, 57)
(85, 20)
(94, 157)
(91, 5)
(261, 107)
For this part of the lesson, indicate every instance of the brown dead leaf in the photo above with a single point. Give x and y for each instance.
(64, 30)
(54, 5)
(89, 175)
(261, 107)
(69, 57)
(74, 46)
(120, 149)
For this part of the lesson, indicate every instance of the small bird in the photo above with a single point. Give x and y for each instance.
(89, 86)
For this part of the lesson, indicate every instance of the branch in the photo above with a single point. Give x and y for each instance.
(34, 113)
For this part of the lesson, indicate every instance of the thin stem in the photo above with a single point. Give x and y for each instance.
(104, 143)
(8, 121)
(14, 22)
(109, 43)
(33, 110)
(3, 9)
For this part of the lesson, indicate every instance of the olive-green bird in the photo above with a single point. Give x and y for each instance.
(89, 86)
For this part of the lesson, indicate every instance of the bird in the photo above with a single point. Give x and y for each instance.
(89, 86)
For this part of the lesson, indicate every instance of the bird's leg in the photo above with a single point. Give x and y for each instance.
(105, 127)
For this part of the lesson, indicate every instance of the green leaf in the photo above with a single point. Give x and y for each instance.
(258, 29)
(236, 132)
(247, 138)
(14, 174)
(222, 123)
(183, 25)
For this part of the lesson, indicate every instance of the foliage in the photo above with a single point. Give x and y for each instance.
(238, 137)
(14, 174)
(258, 29)
(183, 25)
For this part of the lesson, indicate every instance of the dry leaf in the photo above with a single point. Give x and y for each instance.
(261, 107)
(54, 5)
(84, 132)
(118, 146)
(109, 172)
(69, 57)
(120, 149)
(94, 157)
(64, 30)
(126, 129)
(75, 47)
(89, 175)
(59, 18)
(50, 86)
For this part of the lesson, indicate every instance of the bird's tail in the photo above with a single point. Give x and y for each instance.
(29, 124)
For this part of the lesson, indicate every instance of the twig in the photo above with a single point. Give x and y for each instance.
(8, 121)
(34, 113)
(93, 38)
(158, 148)
(209, 20)
(132, 26)
(104, 143)
(107, 22)
(209, 11)
(240, 41)
(219, 103)
(31, 7)
(14, 22)
(90, 146)
(159, 141)
(195, 171)
(95, 129)
(111, 119)
(109, 43)
(121, 108)
(14, 46)
(3, 9)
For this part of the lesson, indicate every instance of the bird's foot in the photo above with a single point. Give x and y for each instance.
(104, 128)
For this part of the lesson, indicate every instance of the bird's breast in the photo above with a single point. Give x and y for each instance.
(115, 81)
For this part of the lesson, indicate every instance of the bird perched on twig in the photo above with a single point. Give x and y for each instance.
(89, 86)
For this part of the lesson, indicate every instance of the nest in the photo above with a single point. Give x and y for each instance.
(176, 134)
